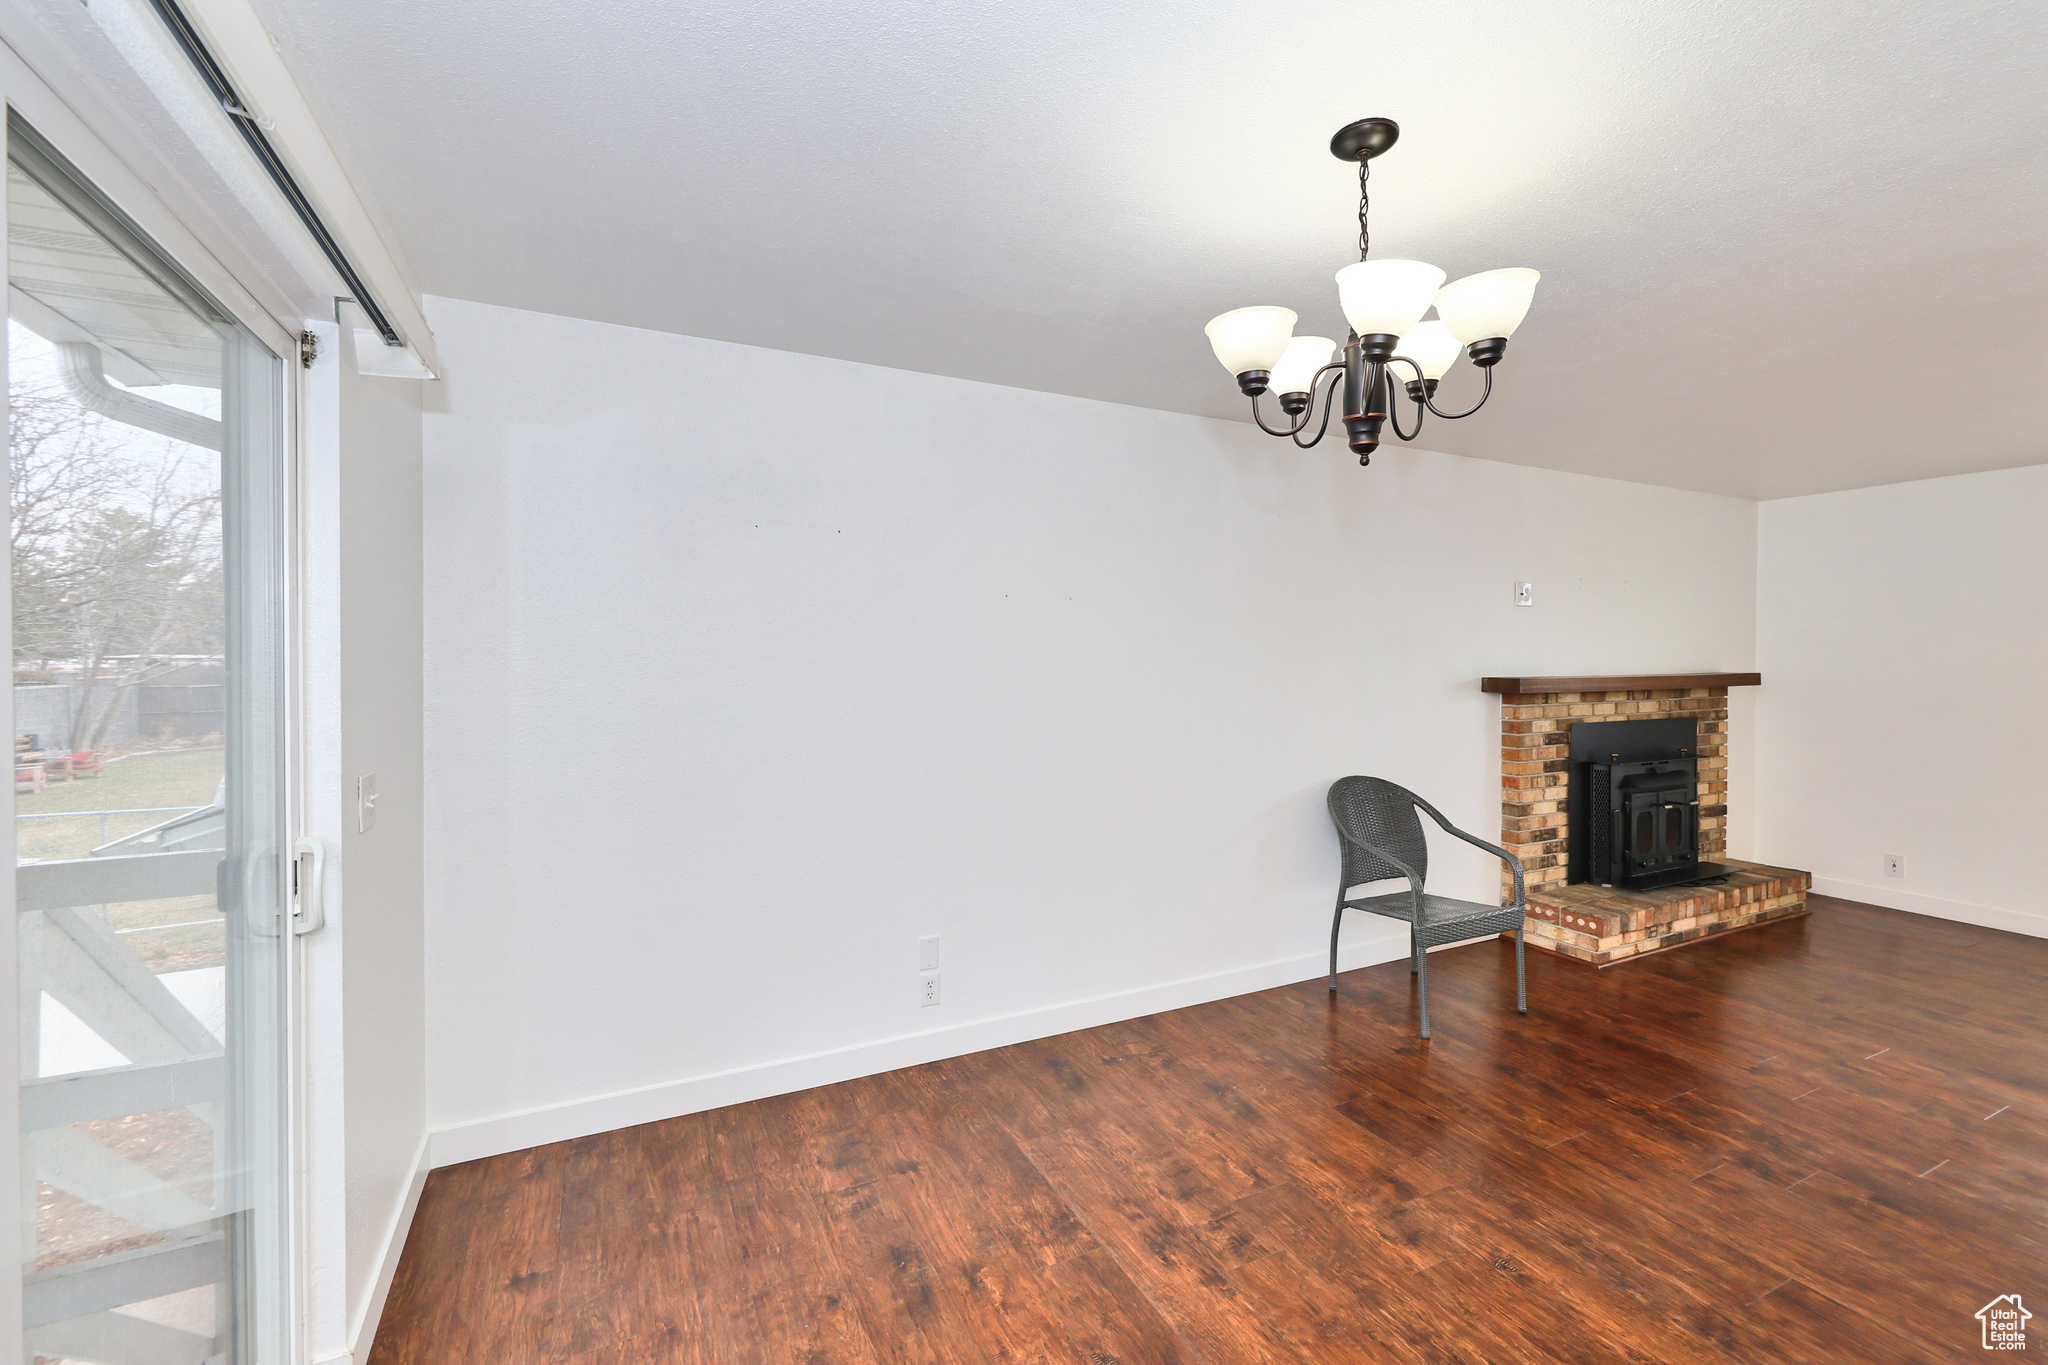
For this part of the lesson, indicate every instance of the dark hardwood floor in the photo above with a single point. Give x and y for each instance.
(1821, 1140)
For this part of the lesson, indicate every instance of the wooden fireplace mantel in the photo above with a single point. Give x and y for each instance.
(1650, 682)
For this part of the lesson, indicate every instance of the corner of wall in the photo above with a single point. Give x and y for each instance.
(366, 972)
(1899, 630)
(363, 1327)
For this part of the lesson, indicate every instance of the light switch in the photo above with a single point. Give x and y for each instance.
(366, 803)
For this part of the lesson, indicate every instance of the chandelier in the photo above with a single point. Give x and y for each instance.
(1384, 302)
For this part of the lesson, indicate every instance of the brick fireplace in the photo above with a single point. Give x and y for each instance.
(1604, 925)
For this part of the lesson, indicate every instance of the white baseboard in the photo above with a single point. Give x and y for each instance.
(603, 1113)
(364, 1329)
(1914, 902)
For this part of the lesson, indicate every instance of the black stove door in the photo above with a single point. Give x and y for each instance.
(1660, 831)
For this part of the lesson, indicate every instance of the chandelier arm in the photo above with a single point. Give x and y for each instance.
(1454, 416)
(1394, 416)
(1268, 430)
(1393, 408)
(1329, 405)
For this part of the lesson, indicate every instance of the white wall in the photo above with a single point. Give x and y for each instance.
(878, 654)
(1902, 633)
(365, 974)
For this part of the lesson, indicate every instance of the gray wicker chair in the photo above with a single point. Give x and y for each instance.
(1381, 838)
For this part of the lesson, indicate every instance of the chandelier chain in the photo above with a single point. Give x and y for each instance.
(1364, 202)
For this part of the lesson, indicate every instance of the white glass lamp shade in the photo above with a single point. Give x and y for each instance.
(1251, 338)
(1386, 297)
(1430, 345)
(1298, 366)
(1489, 304)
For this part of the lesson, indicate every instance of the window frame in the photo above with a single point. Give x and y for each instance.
(239, 295)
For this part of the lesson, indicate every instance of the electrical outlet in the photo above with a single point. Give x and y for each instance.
(366, 803)
(1894, 864)
(928, 954)
(1525, 594)
(930, 993)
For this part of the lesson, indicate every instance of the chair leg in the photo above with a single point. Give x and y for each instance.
(1414, 952)
(1521, 980)
(1336, 923)
(1422, 993)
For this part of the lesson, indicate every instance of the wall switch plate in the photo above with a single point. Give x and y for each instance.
(1525, 594)
(366, 803)
(928, 954)
(1894, 864)
(929, 991)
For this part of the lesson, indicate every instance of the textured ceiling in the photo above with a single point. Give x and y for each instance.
(1787, 247)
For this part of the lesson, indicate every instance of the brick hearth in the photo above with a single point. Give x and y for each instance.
(1604, 925)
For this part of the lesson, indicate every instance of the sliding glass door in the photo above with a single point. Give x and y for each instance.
(145, 442)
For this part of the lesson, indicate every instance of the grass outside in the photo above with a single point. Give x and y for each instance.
(182, 777)
(171, 934)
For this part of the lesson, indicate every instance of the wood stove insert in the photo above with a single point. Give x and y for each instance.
(1634, 805)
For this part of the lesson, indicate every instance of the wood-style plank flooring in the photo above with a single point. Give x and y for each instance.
(1822, 1140)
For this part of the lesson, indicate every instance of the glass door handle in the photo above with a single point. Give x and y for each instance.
(245, 891)
(309, 915)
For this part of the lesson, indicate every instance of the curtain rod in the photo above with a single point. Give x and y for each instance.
(222, 89)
